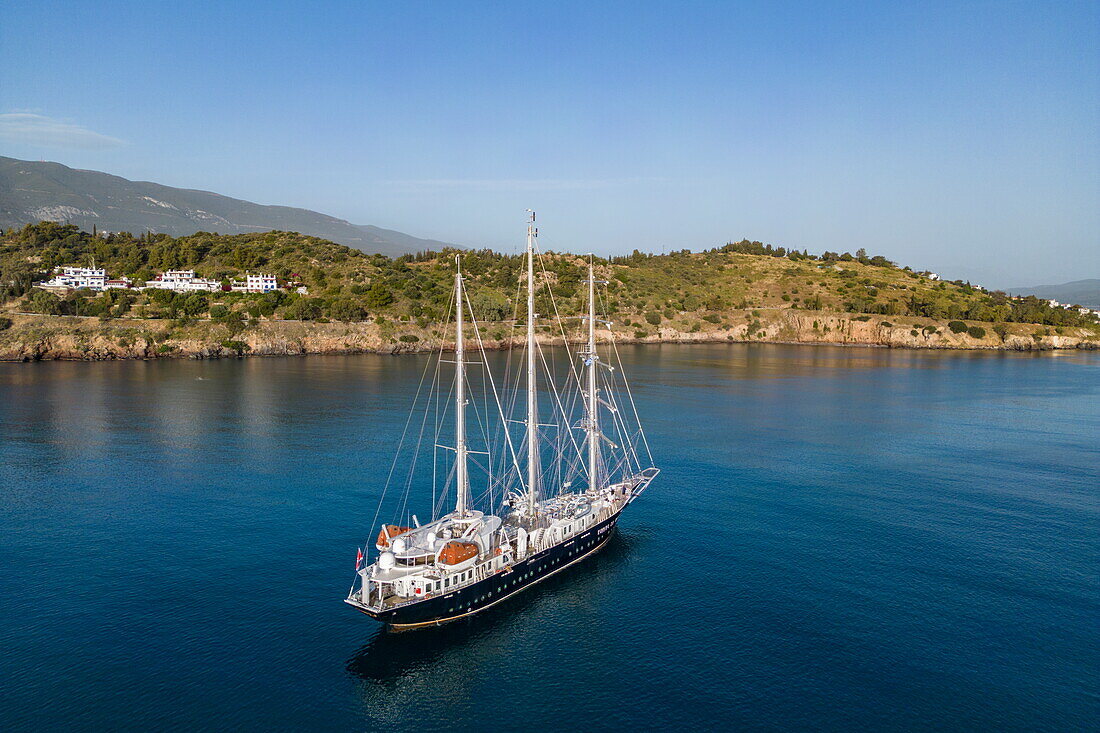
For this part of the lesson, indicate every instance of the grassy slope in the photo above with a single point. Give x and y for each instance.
(716, 294)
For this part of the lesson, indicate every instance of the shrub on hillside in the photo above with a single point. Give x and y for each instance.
(238, 346)
(976, 332)
(5, 324)
(347, 309)
(654, 319)
(378, 296)
(45, 303)
(304, 309)
(957, 326)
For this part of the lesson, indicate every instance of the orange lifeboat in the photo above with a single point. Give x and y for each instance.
(392, 530)
(456, 551)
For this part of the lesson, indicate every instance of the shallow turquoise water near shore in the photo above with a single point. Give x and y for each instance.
(840, 538)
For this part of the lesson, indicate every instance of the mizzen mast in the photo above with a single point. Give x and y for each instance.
(532, 394)
(461, 475)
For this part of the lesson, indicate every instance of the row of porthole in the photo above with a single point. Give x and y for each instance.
(525, 576)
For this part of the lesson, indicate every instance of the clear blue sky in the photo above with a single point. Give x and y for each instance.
(961, 137)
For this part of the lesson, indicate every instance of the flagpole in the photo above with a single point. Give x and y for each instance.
(358, 559)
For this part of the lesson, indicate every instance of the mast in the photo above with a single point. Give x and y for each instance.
(461, 476)
(590, 361)
(532, 395)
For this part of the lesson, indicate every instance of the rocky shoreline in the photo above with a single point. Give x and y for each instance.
(47, 338)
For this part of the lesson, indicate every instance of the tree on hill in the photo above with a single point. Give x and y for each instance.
(347, 284)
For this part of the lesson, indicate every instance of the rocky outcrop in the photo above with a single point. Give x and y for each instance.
(36, 338)
(819, 327)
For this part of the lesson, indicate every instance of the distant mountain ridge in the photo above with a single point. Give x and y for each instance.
(1078, 292)
(31, 191)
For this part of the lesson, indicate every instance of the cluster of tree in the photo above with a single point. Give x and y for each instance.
(348, 285)
(113, 303)
(991, 307)
(30, 251)
(759, 248)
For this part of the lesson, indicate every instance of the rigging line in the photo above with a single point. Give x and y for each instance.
(621, 429)
(437, 385)
(446, 402)
(483, 422)
(557, 315)
(557, 397)
(630, 396)
(484, 425)
(438, 422)
(492, 382)
(622, 433)
(489, 438)
(622, 461)
(400, 443)
(568, 464)
(410, 476)
(416, 454)
(438, 507)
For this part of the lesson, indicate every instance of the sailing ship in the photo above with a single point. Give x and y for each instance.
(547, 502)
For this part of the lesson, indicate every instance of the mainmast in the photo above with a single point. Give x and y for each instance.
(461, 476)
(591, 358)
(532, 395)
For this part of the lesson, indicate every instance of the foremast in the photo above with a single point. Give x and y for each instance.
(461, 474)
(532, 386)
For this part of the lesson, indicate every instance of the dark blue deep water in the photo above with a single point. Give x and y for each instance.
(840, 539)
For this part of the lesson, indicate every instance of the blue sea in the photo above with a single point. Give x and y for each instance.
(840, 539)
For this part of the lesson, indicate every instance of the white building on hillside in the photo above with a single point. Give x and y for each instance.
(182, 281)
(78, 277)
(255, 284)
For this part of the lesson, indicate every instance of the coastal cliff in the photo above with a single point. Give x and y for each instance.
(38, 337)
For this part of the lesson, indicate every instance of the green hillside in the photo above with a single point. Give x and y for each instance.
(689, 290)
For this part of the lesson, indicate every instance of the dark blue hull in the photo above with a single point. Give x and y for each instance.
(490, 591)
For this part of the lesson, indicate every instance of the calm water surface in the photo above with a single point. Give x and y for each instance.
(840, 538)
